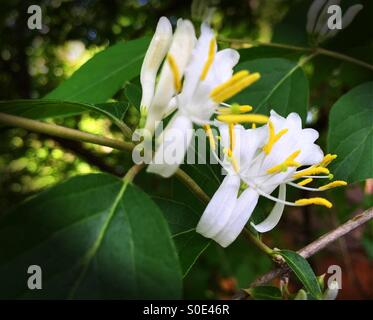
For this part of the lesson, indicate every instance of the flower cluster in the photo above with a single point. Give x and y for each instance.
(258, 161)
(195, 80)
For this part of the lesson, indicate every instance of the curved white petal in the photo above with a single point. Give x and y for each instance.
(313, 14)
(154, 56)
(197, 61)
(274, 217)
(174, 143)
(182, 45)
(331, 292)
(245, 206)
(220, 207)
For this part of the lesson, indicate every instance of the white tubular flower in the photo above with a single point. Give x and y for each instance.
(347, 19)
(331, 292)
(313, 13)
(154, 56)
(317, 18)
(169, 83)
(208, 81)
(264, 159)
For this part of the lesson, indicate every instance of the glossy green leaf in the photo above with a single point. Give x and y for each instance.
(182, 220)
(103, 75)
(303, 271)
(350, 134)
(133, 94)
(42, 109)
(93, 237)
(282, 87)
(265, 293)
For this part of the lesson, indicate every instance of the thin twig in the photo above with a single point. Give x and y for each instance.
(320, 244)
(62, 132)
(318, 50)
(192, 185)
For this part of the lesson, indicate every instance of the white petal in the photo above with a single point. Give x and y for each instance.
(351, 13)
(197, 61)
(274, 217)
(331, 292)
(313, 14)
(154, 56)
(220, 207)
(245, 206)
(323, 17)
(174, 142)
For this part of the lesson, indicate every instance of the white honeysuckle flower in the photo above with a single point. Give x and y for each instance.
(317, 19)
(177, 49)
(347, 19)
(331, 292)
(154, 56)
(257, 162)
(170, 78)
(208, 81)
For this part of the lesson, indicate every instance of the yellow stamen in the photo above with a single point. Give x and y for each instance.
(242, 118)
(304, 182)
(232, 137)
(334, 184)
(235, 88)
(175, 72)
(253, 126)
(273, 138)
(210, 59)
(327, 159)
(210, 136)
(289, 162)
(310, 172)
(235, 78)
(235, 164)
(235, 109)
(318, 201)
(232, 159)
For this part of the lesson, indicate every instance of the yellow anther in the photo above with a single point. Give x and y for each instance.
(230, 90)
(273, 138)
(242, 118)
(318, 201)
(304, 182)
(235, 109)
(327, 159)
(334, 184)
(232, 136)
(210, 59)
(234, 164)
(310, 172)
(289, 162)
(235, 78)
(175, 72)
(253, 126)
(210, 136)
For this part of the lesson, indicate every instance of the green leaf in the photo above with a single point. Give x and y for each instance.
(282, 87)
(133, 94)
(261, 52)
(350, 134)
(265, 293)
(303, 271)
(93, 237)
(42, 109)
(103, 75)
(182, 221)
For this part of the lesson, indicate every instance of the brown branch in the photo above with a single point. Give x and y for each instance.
(63, 132)
(320, 244)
